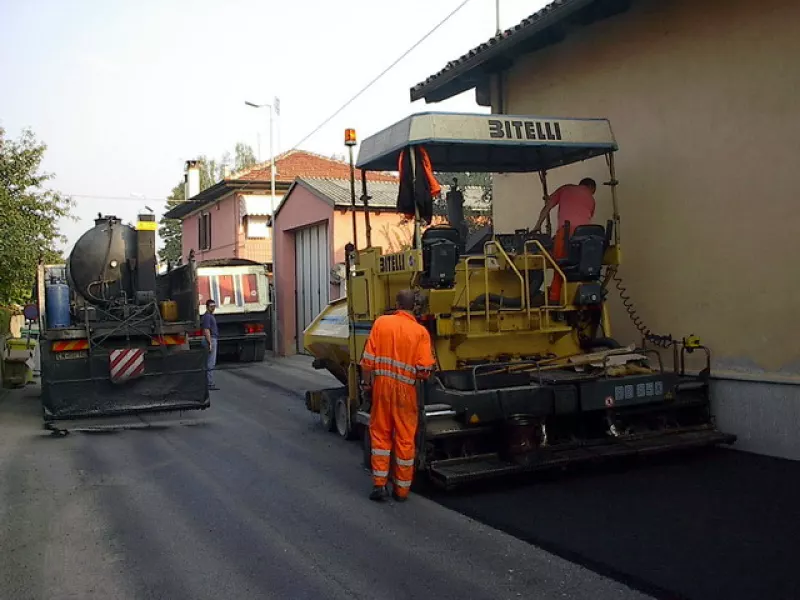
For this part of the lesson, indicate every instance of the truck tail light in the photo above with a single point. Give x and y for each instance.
(253, 327)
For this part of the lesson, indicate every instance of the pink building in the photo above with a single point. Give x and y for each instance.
(313, 224)
(233, 218)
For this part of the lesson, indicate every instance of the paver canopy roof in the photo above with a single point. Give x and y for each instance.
(489, 143)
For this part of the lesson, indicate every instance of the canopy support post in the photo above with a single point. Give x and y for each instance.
(546, 197)
(417, 232)
(365, 200)
(353, 198)
(613, 183)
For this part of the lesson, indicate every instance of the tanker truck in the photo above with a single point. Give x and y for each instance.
(114, 335)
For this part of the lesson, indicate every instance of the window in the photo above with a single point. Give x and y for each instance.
(257, 227)
(249, 283)
(204, 231)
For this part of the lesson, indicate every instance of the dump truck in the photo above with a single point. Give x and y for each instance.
(522, 382)
(241, 290)
(114, 335)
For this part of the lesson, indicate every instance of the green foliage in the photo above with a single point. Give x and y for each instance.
(245, 158)
(30, 213)
(170, 229)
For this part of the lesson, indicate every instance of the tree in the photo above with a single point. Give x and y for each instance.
(30, 214)
(245, 158)
(170, 229)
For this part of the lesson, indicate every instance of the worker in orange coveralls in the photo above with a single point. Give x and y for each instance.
(397, 354)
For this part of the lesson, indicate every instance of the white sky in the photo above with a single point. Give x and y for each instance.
(123, 92)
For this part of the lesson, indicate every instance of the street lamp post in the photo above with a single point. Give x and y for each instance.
(275, 105)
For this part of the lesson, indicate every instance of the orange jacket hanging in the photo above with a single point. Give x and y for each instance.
(417, 193)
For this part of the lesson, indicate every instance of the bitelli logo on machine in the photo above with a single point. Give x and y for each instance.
(525, 130)
(393, 262)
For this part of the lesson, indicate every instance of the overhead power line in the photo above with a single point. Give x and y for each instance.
(357, 95)
(384, 72)
(117, 198)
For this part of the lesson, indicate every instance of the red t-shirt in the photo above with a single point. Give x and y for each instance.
(575, 204)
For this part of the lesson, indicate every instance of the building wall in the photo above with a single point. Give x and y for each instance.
(223, 231)
(301, 209)
(702, 98)
(389, 231)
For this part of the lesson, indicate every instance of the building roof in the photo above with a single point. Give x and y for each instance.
(288, 166)
(300, 163)
(383, 194)
(545, 27)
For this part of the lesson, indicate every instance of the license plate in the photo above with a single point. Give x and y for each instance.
(72, 355)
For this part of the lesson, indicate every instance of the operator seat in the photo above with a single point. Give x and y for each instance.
(441, 247)
(442, 232)
(586, 247)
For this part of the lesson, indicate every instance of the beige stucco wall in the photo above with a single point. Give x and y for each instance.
(703, 99)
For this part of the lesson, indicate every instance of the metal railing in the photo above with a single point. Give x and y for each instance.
(493, 249)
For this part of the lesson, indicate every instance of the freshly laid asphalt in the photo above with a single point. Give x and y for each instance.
(250, 499)
(719, 525)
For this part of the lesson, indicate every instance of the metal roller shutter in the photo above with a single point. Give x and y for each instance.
(312, 255)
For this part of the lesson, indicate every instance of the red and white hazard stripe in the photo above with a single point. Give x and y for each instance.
(126, 363)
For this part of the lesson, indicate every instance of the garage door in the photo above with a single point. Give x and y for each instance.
(312, 271)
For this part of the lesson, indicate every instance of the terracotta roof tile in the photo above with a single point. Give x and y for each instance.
(300, 163)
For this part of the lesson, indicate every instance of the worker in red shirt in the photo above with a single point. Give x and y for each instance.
(576, 204)
(397, 354)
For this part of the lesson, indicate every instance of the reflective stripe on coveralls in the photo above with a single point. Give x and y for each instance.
(398, 352)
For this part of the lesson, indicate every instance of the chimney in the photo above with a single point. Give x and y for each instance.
(226, 171)
(191, 179)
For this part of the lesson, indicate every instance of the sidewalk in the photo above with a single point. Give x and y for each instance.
(292, 375)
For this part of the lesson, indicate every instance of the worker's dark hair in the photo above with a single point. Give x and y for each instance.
(588, 182)
(209, 302)
(405, 300)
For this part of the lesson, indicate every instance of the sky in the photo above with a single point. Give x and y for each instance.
(123, 93)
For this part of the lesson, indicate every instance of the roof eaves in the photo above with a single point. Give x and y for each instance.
(455, 78)
(204, 198)
(285, 198)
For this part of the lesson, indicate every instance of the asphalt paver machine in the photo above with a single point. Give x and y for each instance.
(521, 383)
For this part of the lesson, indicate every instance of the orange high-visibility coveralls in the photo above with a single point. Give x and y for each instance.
(398, 352)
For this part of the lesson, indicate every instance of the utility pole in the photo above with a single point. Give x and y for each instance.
(497, 15)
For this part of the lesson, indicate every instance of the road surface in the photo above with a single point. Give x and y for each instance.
(252, 500)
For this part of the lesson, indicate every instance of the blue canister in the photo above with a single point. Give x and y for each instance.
(57, 299)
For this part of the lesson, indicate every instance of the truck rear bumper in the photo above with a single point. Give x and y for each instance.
(82, 388)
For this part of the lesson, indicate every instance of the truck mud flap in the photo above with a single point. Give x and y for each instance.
(450, 473)
(82, 388)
